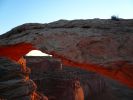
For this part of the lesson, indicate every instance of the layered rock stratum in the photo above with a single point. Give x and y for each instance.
(97, 45)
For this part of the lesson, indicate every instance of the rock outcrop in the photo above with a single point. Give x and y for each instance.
(43, 64)
(62, 84)
(101, 46)
(14, 84)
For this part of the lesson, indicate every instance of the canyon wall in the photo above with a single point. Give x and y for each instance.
(59, 82)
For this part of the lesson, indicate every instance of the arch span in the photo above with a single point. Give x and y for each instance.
(100, 48)
(15, 52)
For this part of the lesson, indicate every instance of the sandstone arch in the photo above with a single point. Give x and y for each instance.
(102, 46)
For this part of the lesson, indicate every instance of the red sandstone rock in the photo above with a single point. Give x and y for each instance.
(87, 44)
(62, 84)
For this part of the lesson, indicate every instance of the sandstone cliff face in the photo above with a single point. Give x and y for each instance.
(68, 82)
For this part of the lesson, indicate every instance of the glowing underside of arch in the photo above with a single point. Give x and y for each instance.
(16, 51)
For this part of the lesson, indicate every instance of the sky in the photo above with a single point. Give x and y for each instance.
(17, 12)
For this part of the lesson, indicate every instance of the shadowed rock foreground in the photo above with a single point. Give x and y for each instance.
(15, 83)
(96, 45)
(59, 82)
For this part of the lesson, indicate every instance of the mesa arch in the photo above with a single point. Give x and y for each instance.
(101, 46)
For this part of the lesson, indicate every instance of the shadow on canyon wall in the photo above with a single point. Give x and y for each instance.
(58, 81)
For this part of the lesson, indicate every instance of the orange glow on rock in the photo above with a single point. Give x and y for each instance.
(15, 52)
(22, 62)
(119, 75)
(24, 68)
(78, 91)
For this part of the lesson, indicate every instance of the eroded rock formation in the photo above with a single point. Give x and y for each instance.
(102, 46)
(15, 83)
(59, 84)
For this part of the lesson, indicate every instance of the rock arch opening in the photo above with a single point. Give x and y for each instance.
(37, 53)
(16, 51)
